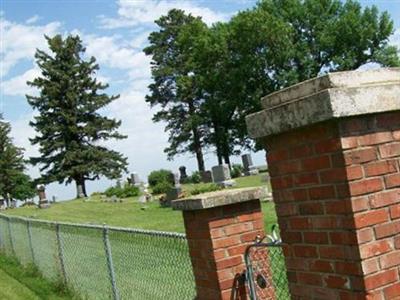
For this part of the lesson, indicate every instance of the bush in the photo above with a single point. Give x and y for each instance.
(236, 171)
(160, 176)
(205, 188)
(122, 192)
(162, 187)
(194, 178)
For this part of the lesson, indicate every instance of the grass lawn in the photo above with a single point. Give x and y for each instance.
(129, 213)
(18, 283)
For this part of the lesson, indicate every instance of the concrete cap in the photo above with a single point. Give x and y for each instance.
(220, 198)
(335, 95)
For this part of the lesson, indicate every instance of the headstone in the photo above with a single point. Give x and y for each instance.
(43, 202)
(183, 175)
(53, 199)
(206, 176)
(172, 194)
(222, 175)
(135, 180)
(249, 168)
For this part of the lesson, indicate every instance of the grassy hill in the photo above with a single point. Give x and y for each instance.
(129, 213)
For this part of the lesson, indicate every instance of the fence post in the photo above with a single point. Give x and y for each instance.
(11, 236)
(1, 237)
(28, 225)
(61, 254)
(110, 264)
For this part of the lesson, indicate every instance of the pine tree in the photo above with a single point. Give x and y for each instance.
(14, 184)
(174, 87)
(70, 128)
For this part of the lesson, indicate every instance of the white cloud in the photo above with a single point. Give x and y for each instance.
(32, 20)
(19, 42)
(135, 12)
(17, 86)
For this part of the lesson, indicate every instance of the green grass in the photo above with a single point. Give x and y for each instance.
(19, 283)
(129, 213)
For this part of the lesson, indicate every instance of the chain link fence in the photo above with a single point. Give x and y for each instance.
(266, 272)
(103, 262)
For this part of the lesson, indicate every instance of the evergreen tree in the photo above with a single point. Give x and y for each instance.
(70, 128)
(14, 184)
(174, 86)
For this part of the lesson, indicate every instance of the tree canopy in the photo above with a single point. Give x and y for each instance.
(14, 184)
(70, 129)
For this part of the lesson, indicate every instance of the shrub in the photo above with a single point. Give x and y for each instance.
(122, 192)
(160, 176)
(205, 188)
(236, 171)
(162, 187)
(195, 177)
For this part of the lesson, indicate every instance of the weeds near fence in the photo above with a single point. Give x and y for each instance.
(102, 262)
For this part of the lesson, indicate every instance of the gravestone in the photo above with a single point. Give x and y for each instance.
(183, 175)
(222, 175)
(249, 168)
(206, 176)
(53, 199)
(173, 193)
(135, 180)
(43, 202)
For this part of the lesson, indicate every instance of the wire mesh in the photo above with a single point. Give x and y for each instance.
(266, 272)
(138, 264)
(153, 266)
(22, 248)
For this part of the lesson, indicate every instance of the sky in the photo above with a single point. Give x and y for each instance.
(115, 32)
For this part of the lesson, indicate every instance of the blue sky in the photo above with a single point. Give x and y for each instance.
(115, 33)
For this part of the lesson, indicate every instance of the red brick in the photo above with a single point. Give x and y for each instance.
(393, 291)
(390, 260)
(380, 168)
(217, 233)
(277, 155)
(300, 223)
(365, 235)
(324, 266)
(387, 229)
(306, 179)
(365, 186)
(329, 145)
(377, 280)
(343, 238)
(291, 237)
(389, 150)
(286, 209)
(305, 251)
(315, 237)
(313, 208)
(229, 262)
(333, 175)
(385, 198)
(226, 242)
(287, 167)
(238, 228)
(395, 211)
(316, 163)
(370, 266)
(301, 151)
(354, 172)
(374, 248)
(237, 250)
(322, 192)
(360, 156)
(325, 222)
(347, 268)
(221, 222)
(388, 120)
(349, 142)
(392, 180)
(397, 242)
(251, 236)
(282, 182)
(371, 217)
(360, 204)
(219, 254)
(375, 138)
(337, 282)
(309, 279)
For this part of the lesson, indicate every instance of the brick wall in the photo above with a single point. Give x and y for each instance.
(336, 186)
(218, 238)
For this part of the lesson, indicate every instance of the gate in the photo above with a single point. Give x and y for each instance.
(266, 274)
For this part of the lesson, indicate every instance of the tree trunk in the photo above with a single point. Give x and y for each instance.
(197, 141)
(80, 187)
(198, 150)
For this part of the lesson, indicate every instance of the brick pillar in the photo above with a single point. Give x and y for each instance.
(219, 227)
(333, 149)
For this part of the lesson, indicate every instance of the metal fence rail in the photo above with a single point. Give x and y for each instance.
(99, 262)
